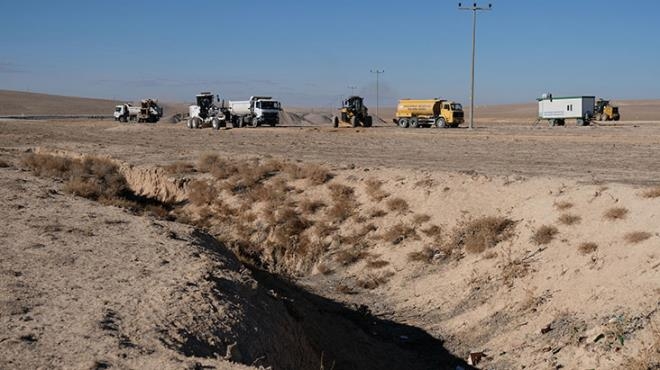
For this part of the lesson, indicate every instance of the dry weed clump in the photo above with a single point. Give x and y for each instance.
(636, 237)
(47, 165)
(569, 219)
(563, 205)
(201, 193)
(587, 247)
(482, 233)
(652, 193)
(398, 233)
(373, 280)
(616, 213)
(180, 167)
(376, 213)
(374, 190)
(420, 219)
(310, 207)
(344, 202)
(324, 268)
(315, 174)
(398, 205)
(219, 167)
(4, 164)
(427, 254)
(434, 232)
(544, 234)
(350, 256)
(376, 263)
(513, 269)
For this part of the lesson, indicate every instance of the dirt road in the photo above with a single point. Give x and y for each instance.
(626, 152)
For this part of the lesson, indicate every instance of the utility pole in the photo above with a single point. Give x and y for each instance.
(378, 73)
(352, 89)
(474, 8)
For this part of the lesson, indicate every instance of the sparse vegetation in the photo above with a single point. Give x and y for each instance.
(569, 219)
(314, 173)
(425, 255)
(652, 193)
(374, 190)
(616, 213)
(377, 213)
(398, 233)
(309, 206)
(4, 164)
(324, 269)
(344, 202)
(350, 256)
(179, 168)
(398, 205)
(544, 234)
(563, 205)
(374, 280)
(201, 193)
(513, 269)
(376, 263)
(477, 235)
(587, 247)
(636, 237)
(420, 219)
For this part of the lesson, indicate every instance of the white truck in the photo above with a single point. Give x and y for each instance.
(147, 111)
(259, 110)
(557, 109)
(205, 112)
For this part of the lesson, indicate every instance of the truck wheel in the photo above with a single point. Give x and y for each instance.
(335, 121)
(441, 122)
(215, 123)
(414, 122)
(552, 122)
(403, 122)
(196, 122)
(355, 121)
(580, 122)
(368, 121)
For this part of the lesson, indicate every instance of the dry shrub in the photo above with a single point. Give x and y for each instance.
(308, 206)
(47, 165)
(433, 231)
(374, 191)
(157, 211)
(616, 213)
(276, 191)
(544, 234)
(96, 179)
(220, 168)
(426, 183)
(324, 229)
(513, 269)
(398, 233)
(569, 219)
(376, 263)
(344, 289)
(398, 205)
(358, 238)
(477, 235)
(374, 280)
(636, 237)
(324, 268)
(377, 213)
(350, 256)
(425, 255)
(314, 173)
(344, 202)
(179, 168)
(201, 193)
(563, 205)
(648, 358)
(652, 193)
(4, 164)
(587, 247)
(419, 219)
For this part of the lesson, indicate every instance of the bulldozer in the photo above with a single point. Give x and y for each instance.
(353, 113)
(604, 111)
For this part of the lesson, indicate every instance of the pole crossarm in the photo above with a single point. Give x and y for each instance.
(378, 72)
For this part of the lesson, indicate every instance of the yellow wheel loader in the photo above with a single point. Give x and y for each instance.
(604, 111)
(353, 113)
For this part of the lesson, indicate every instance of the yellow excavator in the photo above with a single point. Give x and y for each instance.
(604, 111)
(353, 113)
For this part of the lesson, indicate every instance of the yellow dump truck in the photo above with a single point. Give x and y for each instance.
(429, 112)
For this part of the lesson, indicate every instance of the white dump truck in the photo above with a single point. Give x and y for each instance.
(206, 113)
(147, 111)
(557, 109)
(259, 110)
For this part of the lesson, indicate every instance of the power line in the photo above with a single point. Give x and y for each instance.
(353, 88)
(378, 73)
(474, 8)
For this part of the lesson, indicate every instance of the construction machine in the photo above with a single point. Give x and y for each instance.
(206, 113)
(604, 111)
(353, 113)
(147, 111)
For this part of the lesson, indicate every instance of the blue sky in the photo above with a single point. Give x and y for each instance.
(309, 52)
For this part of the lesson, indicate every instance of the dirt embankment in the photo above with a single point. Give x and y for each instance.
(100, 286)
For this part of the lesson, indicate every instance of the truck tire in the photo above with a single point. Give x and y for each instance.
(215, 123)
(403, 122)
(552, 122)
(580, 122)
(414, 122)
(189, 123)
(335, 121)
(196, 122)
(440, 122)
(355, 121)
(368, 122)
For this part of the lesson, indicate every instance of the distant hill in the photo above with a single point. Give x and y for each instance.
(28, 103)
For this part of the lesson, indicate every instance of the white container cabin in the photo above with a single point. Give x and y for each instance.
(557, 109)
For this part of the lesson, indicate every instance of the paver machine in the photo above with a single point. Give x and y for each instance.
(353, 113)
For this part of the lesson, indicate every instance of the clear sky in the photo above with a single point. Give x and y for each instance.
(309, 52)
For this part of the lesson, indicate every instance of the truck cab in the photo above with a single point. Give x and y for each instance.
(452, 113)
(266, 110)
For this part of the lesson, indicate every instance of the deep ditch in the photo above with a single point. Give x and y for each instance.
(334, 335)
